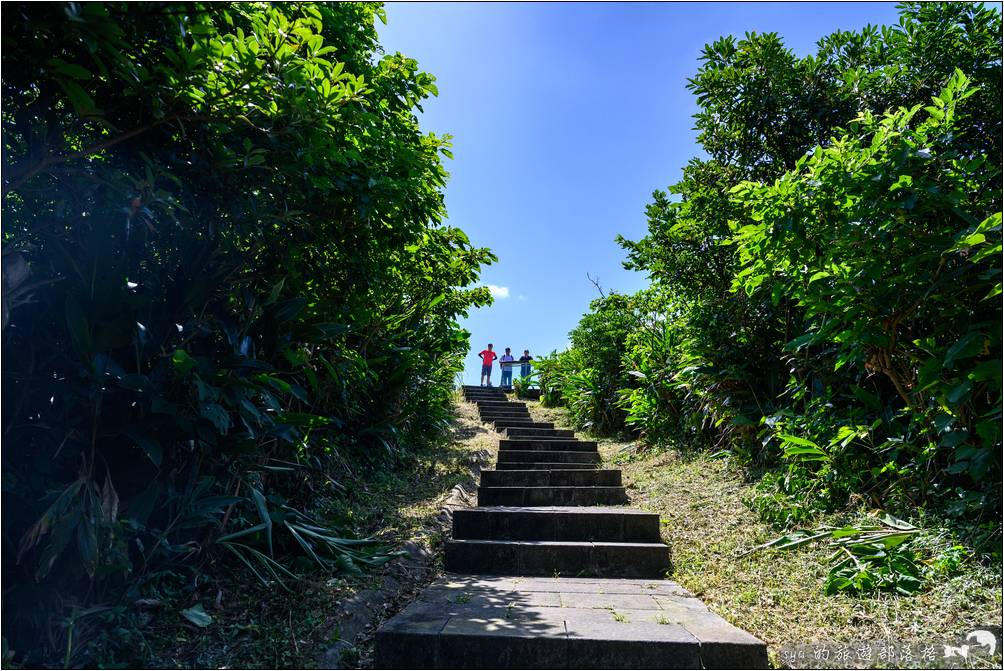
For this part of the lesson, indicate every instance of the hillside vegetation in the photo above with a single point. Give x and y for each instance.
(228, 293)
(702, 499)
(824, 305)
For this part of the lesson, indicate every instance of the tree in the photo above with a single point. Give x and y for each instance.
(829, 274)
(234, 279)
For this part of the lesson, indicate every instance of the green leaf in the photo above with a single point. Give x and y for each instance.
(796, 343)
(435, 301)
(148, 444)
(216, 414)
(957, 394)
(286, 310)
(198, 616)
(966, 347)
(798, 441)
(266, 519)
(806, 454)
(183, 363)
(71, 70)
(82, 102)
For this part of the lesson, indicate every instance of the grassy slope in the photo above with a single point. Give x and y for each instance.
(778, 596)
(256, 627)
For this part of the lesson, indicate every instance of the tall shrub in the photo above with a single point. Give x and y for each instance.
(827, 276)
(225, 277)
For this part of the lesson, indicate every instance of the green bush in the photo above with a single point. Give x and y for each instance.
(225, 280)
(888, 241)
(825, 300)
(587, 377)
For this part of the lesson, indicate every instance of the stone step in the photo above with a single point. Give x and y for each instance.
(467, 622)
(557, 478)
(499, 406)
(491, 419)
(548, 444)
(543, 466)
(493, 403)
(520, 424)
(542, 456)
(614, 525)
(551, 496)
(534, 446)
(553, 558)
(496, 413)
(538, 433)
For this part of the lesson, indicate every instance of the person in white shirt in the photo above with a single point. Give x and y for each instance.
(505, 363)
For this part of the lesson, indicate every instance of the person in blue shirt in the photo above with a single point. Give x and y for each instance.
(524, 368)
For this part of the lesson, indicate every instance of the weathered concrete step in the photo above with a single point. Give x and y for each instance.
(615, 525)
(466, 622)
(538, 433)
(551, 496)
(550, 444)
(542, 456)
(503, 412)
(520, 424)
(542, 466)
(558, 478)
(551, 558)
(489, 419)
(533, 446)
(493, 403)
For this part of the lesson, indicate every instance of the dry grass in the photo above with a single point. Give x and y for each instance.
(778, 596)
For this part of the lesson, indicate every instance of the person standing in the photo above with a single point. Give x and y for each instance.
(487, 357)
(505, 363)
(524, 369)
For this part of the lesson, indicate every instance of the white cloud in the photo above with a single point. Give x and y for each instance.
(498, 292)
(521, 297)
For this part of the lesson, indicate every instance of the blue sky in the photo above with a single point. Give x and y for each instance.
(565, 118)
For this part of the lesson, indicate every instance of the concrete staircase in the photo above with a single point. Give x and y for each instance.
(548, 520)
(549, 510)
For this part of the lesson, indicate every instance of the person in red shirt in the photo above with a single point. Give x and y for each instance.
(487, 357)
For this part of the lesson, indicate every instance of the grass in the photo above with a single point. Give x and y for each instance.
(257, 627)
(778, 596)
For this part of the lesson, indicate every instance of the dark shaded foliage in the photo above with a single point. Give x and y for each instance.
(226, 282)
